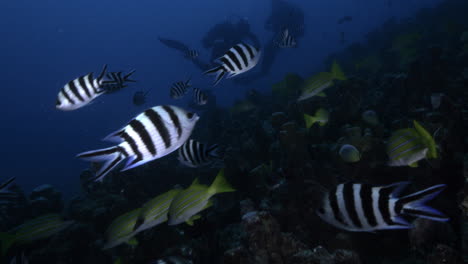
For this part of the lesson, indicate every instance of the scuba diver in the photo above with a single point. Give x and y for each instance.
(220, 38)
(284, 15)
(223, 36)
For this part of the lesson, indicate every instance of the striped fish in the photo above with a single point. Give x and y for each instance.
(239, 59)
(35, 229)
(80, 92)
(179, 89)
(121, 230)
(408, 146)
(191, 54)
(315, 85)
(196, 198)
(195, 154)
(286, 40)
(152, 134)
(116, 81)
(199, 97)
(4, 192)
(363, 208)
(154, 212)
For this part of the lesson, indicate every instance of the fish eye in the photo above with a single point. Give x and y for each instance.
(190, 115)
(57, 103)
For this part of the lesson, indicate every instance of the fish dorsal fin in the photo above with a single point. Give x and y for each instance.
(397, 187)
(336, 72)
(195, 182)
(192, 219)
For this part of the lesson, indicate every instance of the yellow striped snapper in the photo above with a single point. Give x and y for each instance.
(34, 229)
(315, 85)
(196, 198)
(121, 230)
(408, 146)
(154, 212)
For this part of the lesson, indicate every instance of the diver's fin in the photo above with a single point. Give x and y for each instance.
(103, 73)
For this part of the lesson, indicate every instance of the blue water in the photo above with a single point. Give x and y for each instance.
(45, 44)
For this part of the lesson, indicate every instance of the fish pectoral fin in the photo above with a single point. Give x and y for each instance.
(192, 219)
(132, 242)
(208, 205)
(413, 165)
(322, 94)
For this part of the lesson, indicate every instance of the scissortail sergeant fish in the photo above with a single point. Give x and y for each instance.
(199, 97)
(34, 229)
(179, 89)
(364, 208)
(116, 81)
(239, 59)
(191, 54)
(195, 154)
(286, 40)
(152, 134)
(80, 91)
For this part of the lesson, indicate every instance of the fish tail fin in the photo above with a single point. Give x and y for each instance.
(220, 184)
(219, 71)
(309, 120)
(214, 151)
(127, 76)
(4, 186)
(103, 73)
(414, 204)
(7, 240)
(111, 156)
(336, 72)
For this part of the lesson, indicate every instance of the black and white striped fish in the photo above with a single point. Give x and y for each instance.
(4, 192)
(364, 208)
(286, 40)
(80, 92)
(192, 54)
(152, 134)
(239, 59)
(115, 81)
(179, 89)
(195, 154)
(199, 97)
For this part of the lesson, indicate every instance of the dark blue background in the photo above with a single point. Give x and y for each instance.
(44, 44)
